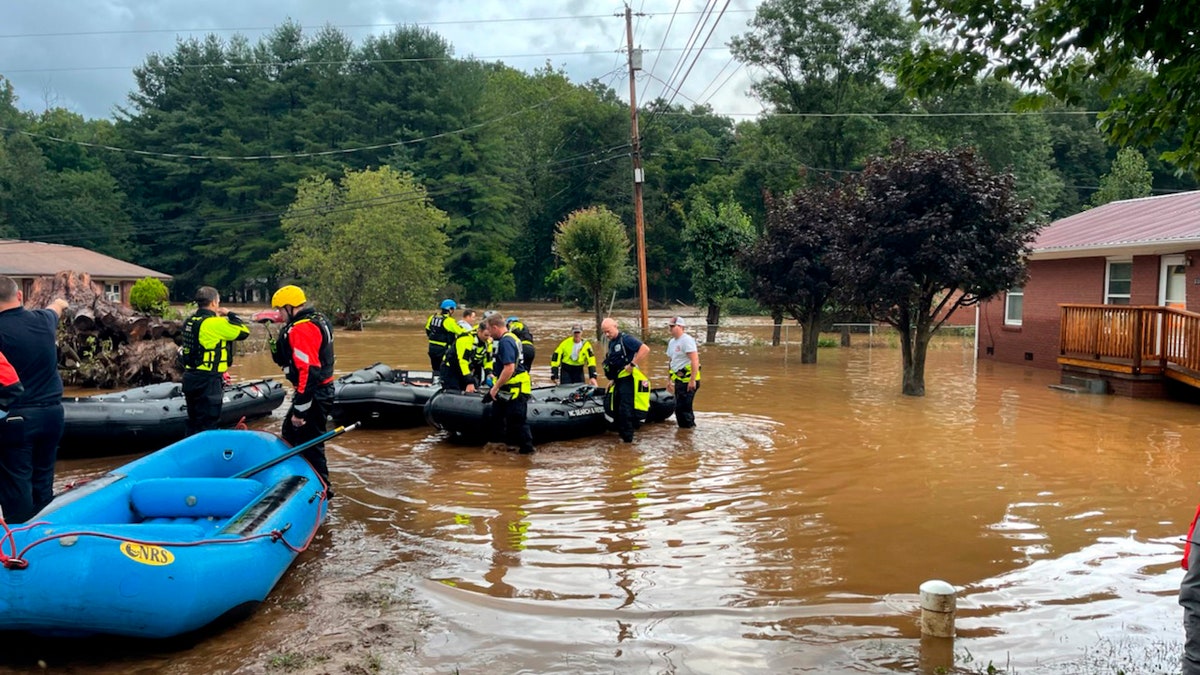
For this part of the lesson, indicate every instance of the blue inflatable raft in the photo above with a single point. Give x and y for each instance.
(167, 544)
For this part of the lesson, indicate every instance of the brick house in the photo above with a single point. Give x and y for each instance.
(25, 261)
(1132, 255)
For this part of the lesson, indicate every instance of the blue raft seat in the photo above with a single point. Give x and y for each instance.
(192, 497)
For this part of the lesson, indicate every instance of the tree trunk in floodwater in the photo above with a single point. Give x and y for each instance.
(714, 318)
(811, 338)
(598, 309)
(914, 345)
(777, 330)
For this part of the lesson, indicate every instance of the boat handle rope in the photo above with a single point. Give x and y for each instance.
(17, 561)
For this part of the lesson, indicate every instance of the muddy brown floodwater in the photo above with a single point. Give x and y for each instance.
(788, 532)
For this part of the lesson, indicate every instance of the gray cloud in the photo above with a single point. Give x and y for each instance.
(79, 54)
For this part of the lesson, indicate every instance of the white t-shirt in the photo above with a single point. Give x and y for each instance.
(678, 350)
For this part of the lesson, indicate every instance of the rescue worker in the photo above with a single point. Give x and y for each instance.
(304, 350)
(441, 328)
(684, 363)
(205, 356)
(481, 357)
(456, 369)
(569, 358)
(486, 352)
(629, 389)
(528, 351)
(35, 421)
(511, 391)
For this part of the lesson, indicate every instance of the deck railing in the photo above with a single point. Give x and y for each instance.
(1138, 335)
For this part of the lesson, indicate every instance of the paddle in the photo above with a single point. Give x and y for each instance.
(297, 450)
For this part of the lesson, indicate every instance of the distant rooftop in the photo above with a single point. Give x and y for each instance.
(34, 259)
(1150, 225)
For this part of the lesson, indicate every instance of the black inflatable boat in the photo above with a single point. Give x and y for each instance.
(378, 396)
(555, 413)
(149, 418)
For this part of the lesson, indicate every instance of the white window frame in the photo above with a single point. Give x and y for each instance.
(112, 291)
(1014, 292)
(1108, 295)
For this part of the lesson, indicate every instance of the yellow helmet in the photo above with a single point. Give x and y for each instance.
(288, 295)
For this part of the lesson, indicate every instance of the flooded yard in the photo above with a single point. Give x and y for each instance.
(788, 532)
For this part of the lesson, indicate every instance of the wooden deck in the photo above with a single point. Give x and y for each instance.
(1134, 341)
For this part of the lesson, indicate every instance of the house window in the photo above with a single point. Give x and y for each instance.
(1120, 281)
(112, 292)
(1014, 302)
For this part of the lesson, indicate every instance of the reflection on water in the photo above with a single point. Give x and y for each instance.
(788, 532)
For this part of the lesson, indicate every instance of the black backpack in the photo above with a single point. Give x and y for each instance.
(191, 353)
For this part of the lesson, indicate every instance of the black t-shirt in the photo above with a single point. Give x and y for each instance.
(29, 340)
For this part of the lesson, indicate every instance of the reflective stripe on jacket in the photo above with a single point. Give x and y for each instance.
(206, 339)
(441, 329)
(562, 357)
(519, 383)
(305, 351)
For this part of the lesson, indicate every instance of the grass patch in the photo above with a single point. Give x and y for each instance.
(292, 661)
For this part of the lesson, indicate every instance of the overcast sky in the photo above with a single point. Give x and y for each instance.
(79, 54)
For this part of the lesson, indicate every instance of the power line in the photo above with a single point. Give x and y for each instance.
(667, 88)
(696, 59)
(181, 225)
(255, 218)
(448, 22)
(717, 77)
(821, 170)
(994, 113)
(298, 64)
(721, 86)
(662, 44)
(691, 42)
(298, 155)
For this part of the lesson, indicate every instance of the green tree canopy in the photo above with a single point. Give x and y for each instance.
(712, 241)
(929, 231)
(1064, 44)
(1129, 178)
(1020, 143)
(594, 250)
(826, 58)
(372, 241)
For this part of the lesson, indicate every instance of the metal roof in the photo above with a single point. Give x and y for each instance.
(35, 259)
(1151, 224)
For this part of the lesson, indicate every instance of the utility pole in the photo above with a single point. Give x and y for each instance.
(635, 63)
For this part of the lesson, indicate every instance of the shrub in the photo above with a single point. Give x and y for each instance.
(742, 307)
(149, 296)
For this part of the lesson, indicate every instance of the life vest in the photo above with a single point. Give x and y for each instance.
(193, 355)
(641, 396)
(283, 351)
(481, 352)
(684, 374)
(562, 355)
(519, 383)
(617, 358)
(461, 356)
(436, 330)
(522, 332)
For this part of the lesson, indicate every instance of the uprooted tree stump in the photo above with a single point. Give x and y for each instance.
(104, 343)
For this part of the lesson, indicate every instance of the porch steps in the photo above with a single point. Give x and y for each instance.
(1082, 385)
